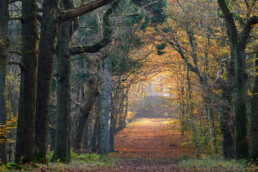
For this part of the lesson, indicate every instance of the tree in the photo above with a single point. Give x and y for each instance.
(52, 16)
(25, 142)
(238, 42)
(4, 43)
(93, 65)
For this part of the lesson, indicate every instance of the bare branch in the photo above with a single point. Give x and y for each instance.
(246, 31)
(75, 12)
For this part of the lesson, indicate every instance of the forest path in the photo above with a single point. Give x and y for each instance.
(150, 144)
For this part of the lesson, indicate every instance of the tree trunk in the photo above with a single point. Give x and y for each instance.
(87, 106)
(112, 127)
(240, 103)
(3, 67)
(254, 116)
(183, 112)
(226, 122)
(106, 105)
(25, 142)
(238, 43)
(62, 137)
(190, 107)
(86, 136)
(95, 135)
(45, 68)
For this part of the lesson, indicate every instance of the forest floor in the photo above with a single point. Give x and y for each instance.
(150, 144)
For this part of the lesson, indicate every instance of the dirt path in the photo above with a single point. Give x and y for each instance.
(149, 145)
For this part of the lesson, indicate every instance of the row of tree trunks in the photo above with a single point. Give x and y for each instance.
(51, 18)
(3, 67)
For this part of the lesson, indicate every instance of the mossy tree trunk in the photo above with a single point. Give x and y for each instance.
(25, 142)
(3, 67)
(238, 42)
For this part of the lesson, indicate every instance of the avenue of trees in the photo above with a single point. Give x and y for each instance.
(73, 73)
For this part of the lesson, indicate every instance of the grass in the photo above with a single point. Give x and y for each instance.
(217, 164)
(79, 162)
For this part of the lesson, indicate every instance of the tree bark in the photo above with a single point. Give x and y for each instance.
(45, 68)
(62, 137)
(106, 105)
(87, 106)
(238, 42)
(25, 142)
(254, 116)
(3, 67)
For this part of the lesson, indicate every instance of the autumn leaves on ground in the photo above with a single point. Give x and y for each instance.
(150, 144)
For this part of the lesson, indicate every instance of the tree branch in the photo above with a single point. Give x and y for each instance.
(232, 30)
(107, 35)
(246, 31)
(75, 12)
(90, 48)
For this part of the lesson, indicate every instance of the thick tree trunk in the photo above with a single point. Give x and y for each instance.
(254, 116)
(25, 142)
(62, 137)
(45, 68)
(226, 119)
(238, 42)
(3, 67)
(240, 103)
(106, 106)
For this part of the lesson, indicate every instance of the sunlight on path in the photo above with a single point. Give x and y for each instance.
(152, 138)
(150, 145)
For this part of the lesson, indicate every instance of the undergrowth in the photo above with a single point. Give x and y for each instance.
(217, 164)
(78, 162)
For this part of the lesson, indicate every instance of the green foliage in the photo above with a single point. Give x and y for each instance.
(182, 158)
(218, 163)
(13, 166)
(156, 10)
(145, 24)
(137, 42)
(161, 47)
